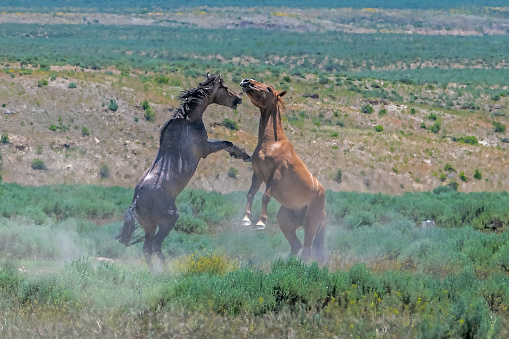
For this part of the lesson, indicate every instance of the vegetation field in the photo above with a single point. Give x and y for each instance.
(387, 274)
(400, 109)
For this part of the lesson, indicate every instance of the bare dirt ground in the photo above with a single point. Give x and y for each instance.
(403, 157)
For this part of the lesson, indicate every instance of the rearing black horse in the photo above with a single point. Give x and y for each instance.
(183, 142)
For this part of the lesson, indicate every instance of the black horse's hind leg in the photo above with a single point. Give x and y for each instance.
(147, 245)
(164, 228)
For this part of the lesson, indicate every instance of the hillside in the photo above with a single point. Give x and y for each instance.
(325, 122)
(380, 99)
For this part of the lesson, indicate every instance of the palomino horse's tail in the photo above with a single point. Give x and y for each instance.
(126, 233)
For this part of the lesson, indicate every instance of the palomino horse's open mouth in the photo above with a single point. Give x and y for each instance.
(246, 84)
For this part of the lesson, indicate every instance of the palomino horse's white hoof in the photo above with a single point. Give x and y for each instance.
(246, 222)
(260, 226)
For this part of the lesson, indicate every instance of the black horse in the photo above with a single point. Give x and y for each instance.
(183, 142)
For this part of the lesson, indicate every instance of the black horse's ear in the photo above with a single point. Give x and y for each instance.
(208, 75)
(282, 94)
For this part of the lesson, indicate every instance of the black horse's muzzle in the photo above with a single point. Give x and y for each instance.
(236, 102)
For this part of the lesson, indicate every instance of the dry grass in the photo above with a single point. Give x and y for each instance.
(366, 158)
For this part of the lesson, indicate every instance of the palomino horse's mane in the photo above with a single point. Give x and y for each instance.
(280, 102)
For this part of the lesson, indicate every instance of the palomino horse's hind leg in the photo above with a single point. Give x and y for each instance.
(288, 223)
(313, 220)
(164, 228)
(318, 241)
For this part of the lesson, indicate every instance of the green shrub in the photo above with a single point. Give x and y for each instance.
(230, 124)
(443, 189)
(472, 140)
(38, 164)
(454, 185)
(323, 80)
(233, 172)
(359, 218)
(432, 116)
(367, 109)
(499, 127)
(338, 177)
(84, 131)
(379, 128)
(334, 134)
(382, 112)
(105, 171)
(463, 177)
(113, 106)
(190, 224)
(4, 139)
(477, 174)
(161, 79)
(436, 127)
(449, 168)
(41, 83)
(495, 97)
(443, 177)
(145, 105)
(53, 128)
(71, 85)
(150, 115)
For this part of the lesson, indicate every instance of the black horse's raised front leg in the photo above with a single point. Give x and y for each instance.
(234, 150)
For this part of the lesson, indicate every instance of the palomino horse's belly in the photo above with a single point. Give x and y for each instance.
(294, 193)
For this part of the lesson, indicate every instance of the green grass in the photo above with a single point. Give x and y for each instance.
(83, 45)
(384, 269)
(415, 282)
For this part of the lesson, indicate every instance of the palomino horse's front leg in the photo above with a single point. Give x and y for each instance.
(237, 152)
(255, 186)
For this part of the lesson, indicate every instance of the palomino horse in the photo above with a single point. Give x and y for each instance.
(287, 179)
(182, 143)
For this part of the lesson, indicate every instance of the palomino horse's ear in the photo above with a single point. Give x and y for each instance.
(282, 94)
(218, 78)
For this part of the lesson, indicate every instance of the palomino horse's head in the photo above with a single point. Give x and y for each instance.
(219, 93)
(261, 95)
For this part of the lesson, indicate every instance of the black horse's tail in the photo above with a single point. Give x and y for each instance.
(126, 233)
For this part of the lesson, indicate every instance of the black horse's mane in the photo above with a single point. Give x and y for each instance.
(192, 95)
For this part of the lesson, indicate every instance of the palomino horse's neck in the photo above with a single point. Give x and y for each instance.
(271, 127)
